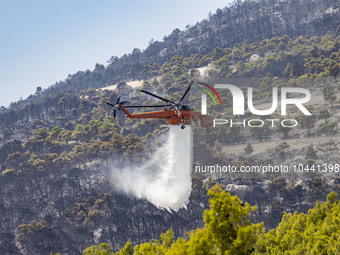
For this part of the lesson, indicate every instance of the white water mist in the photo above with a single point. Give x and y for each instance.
(165, 179)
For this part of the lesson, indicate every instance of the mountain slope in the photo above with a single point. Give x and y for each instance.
(57, 147)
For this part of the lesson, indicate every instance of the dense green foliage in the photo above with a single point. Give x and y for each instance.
(228, 230)
(317, 232)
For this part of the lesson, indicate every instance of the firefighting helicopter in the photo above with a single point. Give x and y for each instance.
(174, 113)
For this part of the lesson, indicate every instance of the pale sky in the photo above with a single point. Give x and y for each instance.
(42, 41)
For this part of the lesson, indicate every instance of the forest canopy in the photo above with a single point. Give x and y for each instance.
(228, 229)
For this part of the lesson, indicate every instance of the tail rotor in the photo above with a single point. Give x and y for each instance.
(116, 106)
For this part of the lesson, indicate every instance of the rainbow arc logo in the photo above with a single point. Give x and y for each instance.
(204, 97)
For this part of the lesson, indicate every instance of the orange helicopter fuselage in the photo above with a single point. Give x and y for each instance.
(173, 117)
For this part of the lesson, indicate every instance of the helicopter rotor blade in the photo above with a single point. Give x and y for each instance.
(123, 102)
(186, 92)
(161, 98)
(110, 104)
(192, 100)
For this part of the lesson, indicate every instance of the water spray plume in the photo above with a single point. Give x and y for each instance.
(165, 179)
